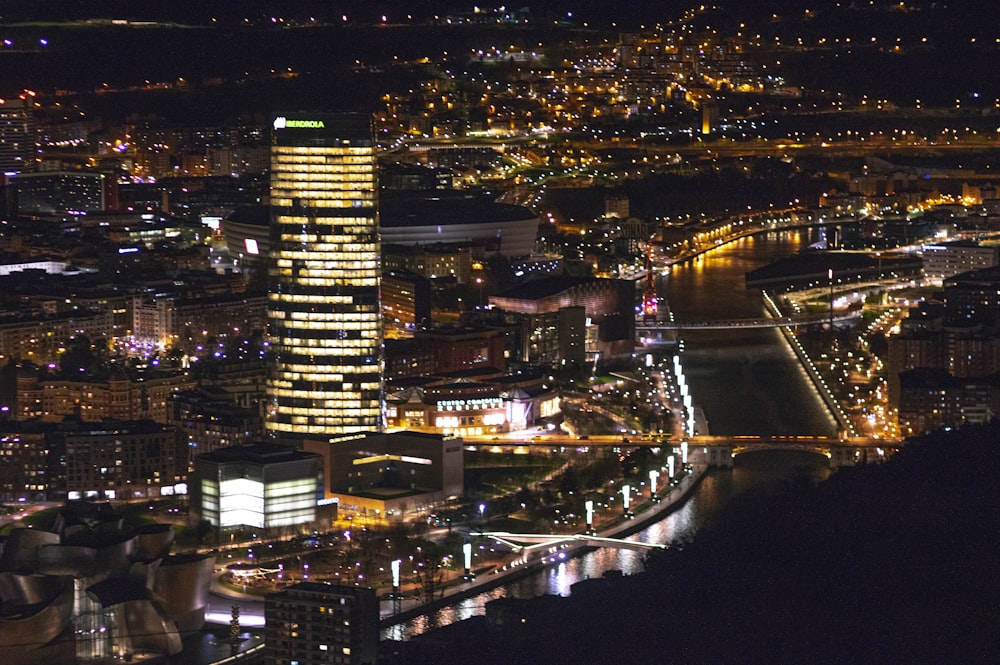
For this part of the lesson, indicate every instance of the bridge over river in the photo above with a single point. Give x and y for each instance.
(718, 451)
(642, 327)
(722, 451)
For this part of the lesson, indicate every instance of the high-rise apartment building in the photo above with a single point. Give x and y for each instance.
(314, 624)
(17, 135)
(59, 192)
(323, 307)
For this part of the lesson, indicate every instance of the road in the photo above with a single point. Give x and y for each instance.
(22, 510)
(768, 322)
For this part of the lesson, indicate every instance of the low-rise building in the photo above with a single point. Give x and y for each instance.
(472, 403)
(40, 337)
(25, 466)
(442, 350)
(932, 398)
(379, 477)
(942, 365)
(58, 192)
(433, 261)
(208, 419)
(261, 489)
(948, 259)
(121, 460)
(406, 301)
(166, 321)
(120, 396)
(83, 590)
(548, 337)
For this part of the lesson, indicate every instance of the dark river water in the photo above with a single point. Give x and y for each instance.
(746, 381)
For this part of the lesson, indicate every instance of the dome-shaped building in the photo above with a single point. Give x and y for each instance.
(406, 218)
(448, 217)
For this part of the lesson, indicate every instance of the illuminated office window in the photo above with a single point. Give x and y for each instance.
(323, 310)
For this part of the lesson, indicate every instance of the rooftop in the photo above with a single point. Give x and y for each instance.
(550, 286)
(257, 453)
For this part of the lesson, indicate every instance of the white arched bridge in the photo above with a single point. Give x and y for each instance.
(527, 541)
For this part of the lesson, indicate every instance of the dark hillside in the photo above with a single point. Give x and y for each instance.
(894, 563)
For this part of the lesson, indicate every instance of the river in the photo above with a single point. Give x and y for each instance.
(746, 381)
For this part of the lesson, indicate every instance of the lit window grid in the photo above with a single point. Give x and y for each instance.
(315, 254)
(319, 320)
(246, 502)
(321, 347)
(326, 204)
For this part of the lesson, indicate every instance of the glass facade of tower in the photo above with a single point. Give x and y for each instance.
(323, 309)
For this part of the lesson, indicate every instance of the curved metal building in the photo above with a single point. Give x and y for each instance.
(87, 591)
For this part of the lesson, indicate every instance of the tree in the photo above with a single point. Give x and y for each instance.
(202, 531)
(428, 575)
(78, 358)
(636, 462)
(568, 482)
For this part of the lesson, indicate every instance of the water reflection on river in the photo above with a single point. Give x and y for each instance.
(747, 381)
(753, 472)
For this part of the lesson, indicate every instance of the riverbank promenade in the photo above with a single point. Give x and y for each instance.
(395, 611)
(560, 547)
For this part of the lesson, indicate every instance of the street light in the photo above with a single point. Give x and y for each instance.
(467, 553)
(396, 596)
(829, 274)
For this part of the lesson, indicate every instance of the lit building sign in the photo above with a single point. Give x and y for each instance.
(281, 122)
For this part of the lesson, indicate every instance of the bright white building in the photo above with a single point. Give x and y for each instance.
(256, 488)
(948, 259)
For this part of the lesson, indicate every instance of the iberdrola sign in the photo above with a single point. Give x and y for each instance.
(281, 122)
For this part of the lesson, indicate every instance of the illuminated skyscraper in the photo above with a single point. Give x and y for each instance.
(323, 310)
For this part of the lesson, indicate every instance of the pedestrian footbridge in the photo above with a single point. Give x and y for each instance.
(526, 541)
